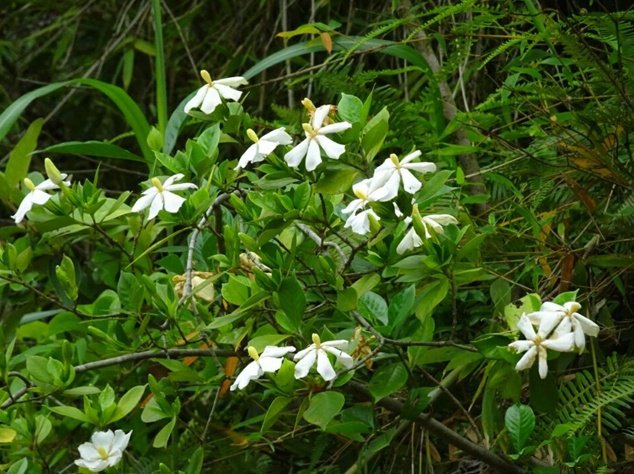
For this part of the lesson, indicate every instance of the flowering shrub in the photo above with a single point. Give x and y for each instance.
(274, 289)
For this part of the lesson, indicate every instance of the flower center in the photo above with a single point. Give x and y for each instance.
(316, 340)
(102, 453)
(360, 194)
(206, 77)
(538, 340)
(157, 184)
(29, 184)
(253, 353)
(395, 160)
(573, 308)
(252, 136)
(310, 131)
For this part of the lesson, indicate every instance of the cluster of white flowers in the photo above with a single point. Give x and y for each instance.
(104, 450)
(270, 360)
(384, 186)
(559, 328)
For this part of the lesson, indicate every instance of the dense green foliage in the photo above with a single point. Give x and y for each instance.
(113, 320)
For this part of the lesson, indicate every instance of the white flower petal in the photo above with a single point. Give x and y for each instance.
(172, 202)
(180, 187)
(24, 207)
(121, 440)
(410, 183)
(565, 343)
(332, 149)
(338, 343)
(88, 452)
(334, 128)
(527, 360)
(102, 439)
(247, 157)
(301, 354)
(521, 346)
(353, 206)
(319, 116)
(48, 185)
(198, 98)
(233, 81)
(342, 357)
(39, 197)
(172, 179)
(227, 92)
(294, 157)
(543, 362)
(279, 136)
(549, 306)
(324, 367)
(303, 366)
(525, 326)
(412, 156)
(265, 147)
(251, 372)
(155, 206)
(274, 351)
(442, 219)
(93, 466)
(211, 101)
(313, 156)
(270, 364)
(144, 202)
(410, 241)
(589, 327)
(548, 322)
(423, 167)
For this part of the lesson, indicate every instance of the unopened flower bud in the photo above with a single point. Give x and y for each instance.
(52, 172)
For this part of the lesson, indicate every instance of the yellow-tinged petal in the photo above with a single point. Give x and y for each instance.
(253, 353)
(29, 184)
(157, 184)
(316, 340)
(252, 136)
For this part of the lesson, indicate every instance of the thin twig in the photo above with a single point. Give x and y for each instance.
(319, 241)
(135, 356)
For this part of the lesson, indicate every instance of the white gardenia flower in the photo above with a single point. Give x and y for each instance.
(262, 147)
(571, 321)
(393, 171)
(160, 196)
(366, 191)
(536, 344)
(316, 140)
(269, 361)
(410, 241)
(318, 351)
(36, 195)
(104, 450)
(209, 96)
(435, 222)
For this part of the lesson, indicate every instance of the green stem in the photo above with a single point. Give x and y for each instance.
(161, 86)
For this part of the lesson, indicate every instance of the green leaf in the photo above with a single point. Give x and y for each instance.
(336, 181)
(520, 423)
(387, 380)
(431, 296)
(7, 435)
(374, 134)
(323, 408)
(19, 467)
(401, 306)
(152, 412)
(349, 108)
(195, 465)
(347, 299)
(292, 300)
(260, 342)
(373, 307)
(92, 148)
(70, 412)
(20, 156)
(236, 290)
(128, 402)
(527, 304)
(273, 413)
(209, 139)
(130, 110)
(163, 436)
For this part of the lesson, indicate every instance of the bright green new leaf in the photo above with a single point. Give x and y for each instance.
(323, 408)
